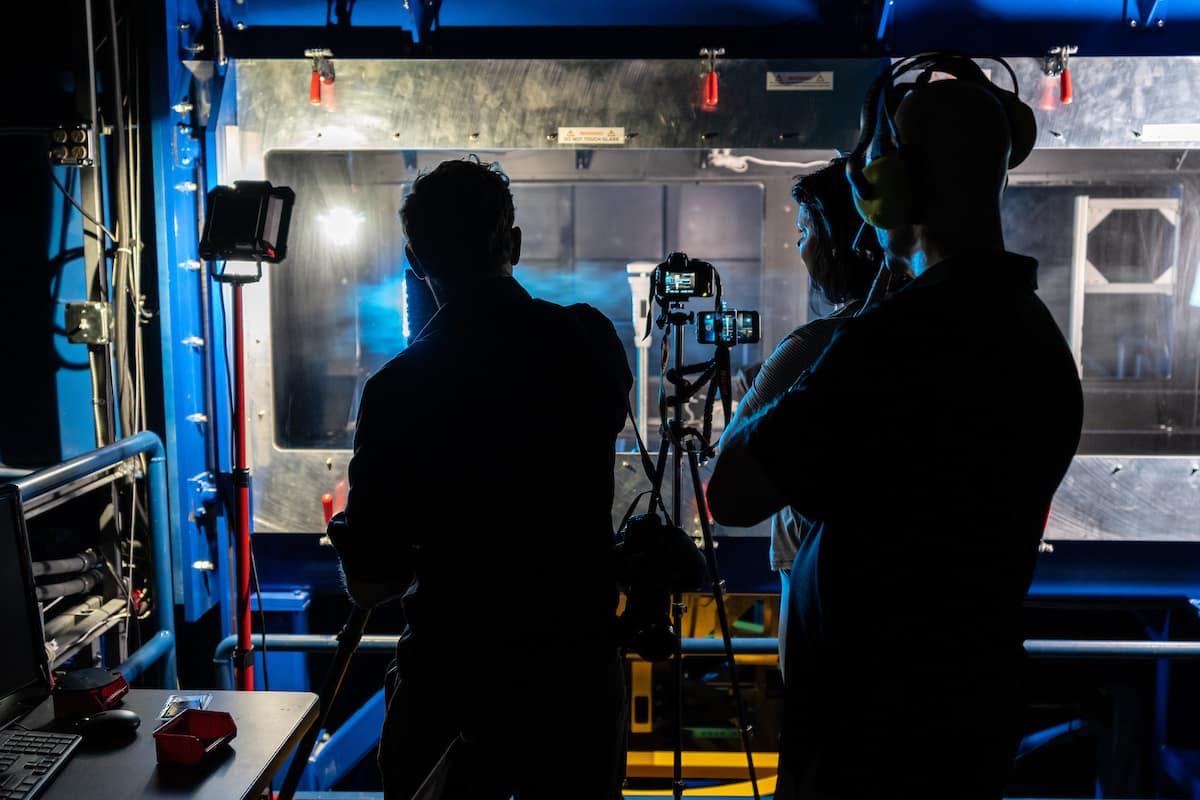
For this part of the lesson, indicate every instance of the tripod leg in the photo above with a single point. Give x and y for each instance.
(348, 639)
(719, 596)
(677, 783)
(673, 428)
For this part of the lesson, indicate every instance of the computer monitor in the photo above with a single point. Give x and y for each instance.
(24, 670)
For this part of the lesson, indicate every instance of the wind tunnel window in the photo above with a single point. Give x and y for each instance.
(338, 307)
(339, 304)
(1117, 263)
(578, 240)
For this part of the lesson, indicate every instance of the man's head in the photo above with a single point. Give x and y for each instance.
(955, 143)
(827, 223)
(458, 220)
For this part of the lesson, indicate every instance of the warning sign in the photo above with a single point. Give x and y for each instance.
(613, 135)
(800, 81)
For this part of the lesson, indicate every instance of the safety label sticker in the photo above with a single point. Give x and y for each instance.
(800, 81)
(1170, 132)
(591, 135)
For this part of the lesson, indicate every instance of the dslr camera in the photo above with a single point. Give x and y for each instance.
(680, 278)
(654, 561)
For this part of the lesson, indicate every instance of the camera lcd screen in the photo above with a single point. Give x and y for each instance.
(680, 283)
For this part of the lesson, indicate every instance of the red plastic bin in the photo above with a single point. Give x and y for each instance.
(193, 736)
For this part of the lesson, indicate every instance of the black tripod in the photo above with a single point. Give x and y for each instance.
(680, 439)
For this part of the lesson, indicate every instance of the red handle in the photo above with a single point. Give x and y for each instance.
(1064, 87)
(328, 98)
(710, 89)
(314, 89)
(1049, 100)
(327, 506)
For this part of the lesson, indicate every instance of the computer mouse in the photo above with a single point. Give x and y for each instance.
(110, 725)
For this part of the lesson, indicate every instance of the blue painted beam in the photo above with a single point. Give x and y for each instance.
(178, 175)
(353, 741)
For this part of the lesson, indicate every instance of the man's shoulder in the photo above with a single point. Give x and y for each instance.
(591, 318)
(417, 357)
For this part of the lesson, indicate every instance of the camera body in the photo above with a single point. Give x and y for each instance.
(680, 278)
(728, 327)
(654, 561)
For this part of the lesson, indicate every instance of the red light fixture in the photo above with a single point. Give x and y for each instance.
(1056, 64)
(1066, 95)
(320, 83)
(711, 91)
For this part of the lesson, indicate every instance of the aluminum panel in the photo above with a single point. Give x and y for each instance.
(1128, 498)
(485, 104)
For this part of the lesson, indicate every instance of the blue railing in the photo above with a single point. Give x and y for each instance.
(36, 484)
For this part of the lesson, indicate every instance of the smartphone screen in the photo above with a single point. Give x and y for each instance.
(747, 327)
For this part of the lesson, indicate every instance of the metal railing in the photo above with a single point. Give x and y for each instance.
(47, 487)
(745, 645)
(319, 642)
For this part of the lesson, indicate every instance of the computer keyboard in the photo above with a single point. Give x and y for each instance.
(29, 760)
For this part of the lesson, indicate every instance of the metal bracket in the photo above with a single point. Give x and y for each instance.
(204, 493)
(1146, 13)
(185, 146)
(1057, 60)
(89, 322)
(243, 658)
(241, 478)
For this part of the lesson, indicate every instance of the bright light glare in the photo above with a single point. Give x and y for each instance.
(340, 225)
(404, 308)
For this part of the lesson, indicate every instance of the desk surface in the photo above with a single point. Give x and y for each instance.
(269, 726)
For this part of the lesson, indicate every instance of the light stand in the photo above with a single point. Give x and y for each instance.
(244, 655)
(675, 433)
(246, 222)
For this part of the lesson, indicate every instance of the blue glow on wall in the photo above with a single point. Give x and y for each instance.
(382, 315)
(545, 12)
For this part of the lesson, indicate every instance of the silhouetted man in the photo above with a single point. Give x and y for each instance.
(481, 489)
(927, 441)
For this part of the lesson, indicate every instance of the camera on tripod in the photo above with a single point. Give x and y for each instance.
(680, 278)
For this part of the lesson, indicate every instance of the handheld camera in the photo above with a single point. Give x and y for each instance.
(727, 327)
(654, 560)
(681, 278)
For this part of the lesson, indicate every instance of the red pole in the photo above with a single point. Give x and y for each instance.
(241, 480)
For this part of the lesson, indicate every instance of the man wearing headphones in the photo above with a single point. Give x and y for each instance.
(927, 442)
(508, 678)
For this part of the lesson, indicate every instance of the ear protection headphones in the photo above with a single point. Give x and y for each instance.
(884, 191)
